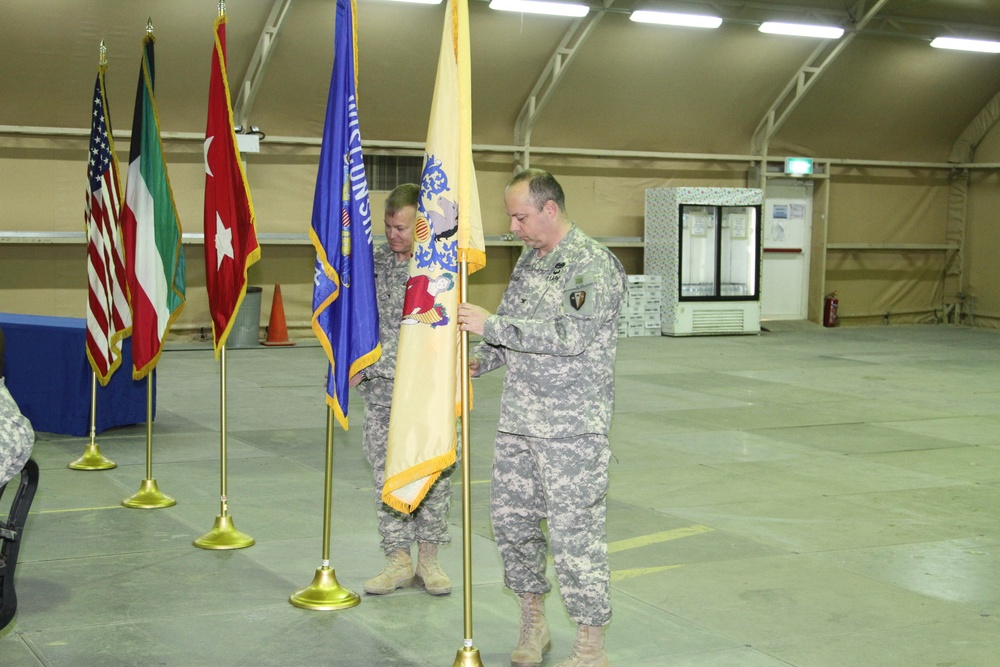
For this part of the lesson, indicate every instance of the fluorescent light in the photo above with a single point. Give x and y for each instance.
(422, 2)
(802, 30)
(673, 18)
(979, 45)
(537, 7)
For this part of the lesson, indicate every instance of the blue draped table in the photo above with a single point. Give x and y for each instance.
(47, 372)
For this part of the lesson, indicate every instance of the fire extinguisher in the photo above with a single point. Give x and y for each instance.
(830, 310)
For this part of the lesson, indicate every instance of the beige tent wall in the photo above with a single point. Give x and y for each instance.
(42, 179)
(880, 206)
(982, 278)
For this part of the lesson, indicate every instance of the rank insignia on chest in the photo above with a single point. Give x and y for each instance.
(556, 271)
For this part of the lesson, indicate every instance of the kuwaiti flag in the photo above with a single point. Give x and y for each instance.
(426, 397)
(230, 228)
(154, 262)
(345, 314)
(108, 317)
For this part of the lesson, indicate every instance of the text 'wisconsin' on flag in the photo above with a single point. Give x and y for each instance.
(345, 313)
(231, 245)
(426, 398)
(108, 317)
(151, 231)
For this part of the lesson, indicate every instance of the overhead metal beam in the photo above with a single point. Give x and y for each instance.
(552, 74)
(796, 89)
(258, 64)
(965, 146)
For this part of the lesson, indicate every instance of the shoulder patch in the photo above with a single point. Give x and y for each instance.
(579, 295)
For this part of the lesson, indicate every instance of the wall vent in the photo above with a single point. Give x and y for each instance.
(385, 172)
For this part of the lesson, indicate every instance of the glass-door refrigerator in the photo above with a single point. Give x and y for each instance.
(705, 243)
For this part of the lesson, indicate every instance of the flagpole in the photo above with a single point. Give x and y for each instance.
(223, 534)
(149, 495)
(468, 655)
(92, 458)
(325, 593)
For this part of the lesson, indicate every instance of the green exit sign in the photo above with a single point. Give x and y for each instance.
(798, 166)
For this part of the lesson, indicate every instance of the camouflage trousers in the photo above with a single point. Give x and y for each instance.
(566, 481)
(16, 437)
(397, 529)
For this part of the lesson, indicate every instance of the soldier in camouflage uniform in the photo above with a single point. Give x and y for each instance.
(428, 526)
(16, 435)
(556, 332)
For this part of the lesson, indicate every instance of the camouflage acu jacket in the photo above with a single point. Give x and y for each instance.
(16, 436)
(556, 331)
(390, 289)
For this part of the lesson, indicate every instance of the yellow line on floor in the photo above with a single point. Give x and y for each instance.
(621, 575)
(655, 538)
(77, 509)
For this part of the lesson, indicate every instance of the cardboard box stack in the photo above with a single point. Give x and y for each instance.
(640, 315)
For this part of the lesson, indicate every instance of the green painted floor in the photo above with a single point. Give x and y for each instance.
(810, 497)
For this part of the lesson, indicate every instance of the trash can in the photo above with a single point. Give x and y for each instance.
(246, 326)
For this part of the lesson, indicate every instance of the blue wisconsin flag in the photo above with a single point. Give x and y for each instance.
(345, 314)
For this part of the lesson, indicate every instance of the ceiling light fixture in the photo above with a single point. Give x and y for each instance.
(802, 30)
(959, 44)
(673, 18)
(537, 7)
(422, 2)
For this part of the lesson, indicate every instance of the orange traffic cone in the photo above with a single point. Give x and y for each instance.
(277, 331)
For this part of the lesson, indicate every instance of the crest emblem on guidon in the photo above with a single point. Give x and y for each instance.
(577, 298)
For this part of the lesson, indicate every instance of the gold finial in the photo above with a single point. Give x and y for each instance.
(149, 26)
(104, 55)
(222, 7)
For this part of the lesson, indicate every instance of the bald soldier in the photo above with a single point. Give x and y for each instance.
(556, 332)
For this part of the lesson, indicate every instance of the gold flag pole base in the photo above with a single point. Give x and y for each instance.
(324, 593)
(148, 497)
(468, 656)
(224, 536)
(92, 459)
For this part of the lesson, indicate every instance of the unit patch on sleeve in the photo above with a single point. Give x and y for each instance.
(579, 295)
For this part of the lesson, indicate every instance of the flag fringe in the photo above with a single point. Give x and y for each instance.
(252, 258)
(139, 373)
(429, 469)
(116, 359)
(361, 362)
(475, 257)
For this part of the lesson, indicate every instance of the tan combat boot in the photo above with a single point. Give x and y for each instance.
(533, 643)
(588, 649)
(398, 573)
(429, 571)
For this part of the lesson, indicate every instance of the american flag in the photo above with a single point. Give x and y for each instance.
(108, 316)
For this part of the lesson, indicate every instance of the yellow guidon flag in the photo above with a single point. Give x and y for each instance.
(426, 397)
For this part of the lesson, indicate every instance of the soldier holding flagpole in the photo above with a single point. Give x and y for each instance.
(556, 332)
